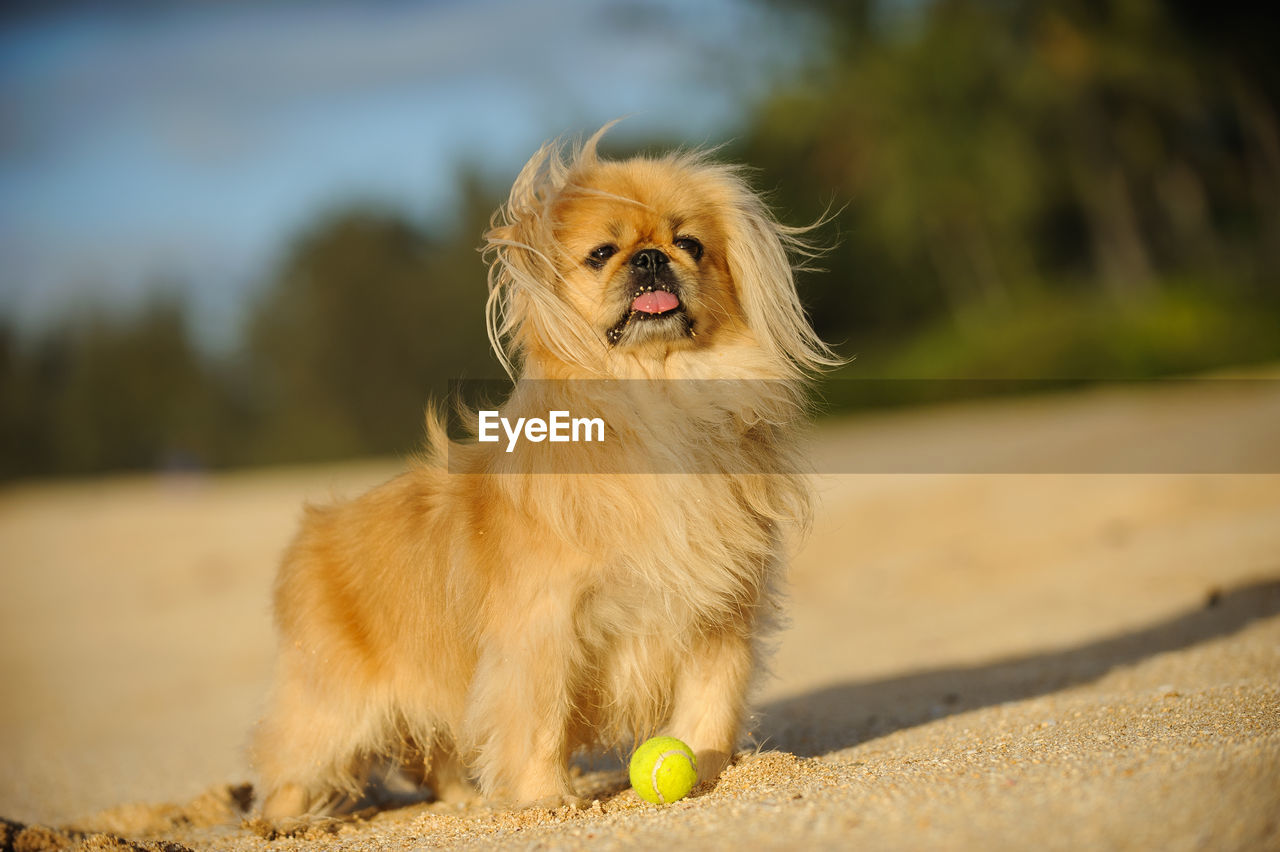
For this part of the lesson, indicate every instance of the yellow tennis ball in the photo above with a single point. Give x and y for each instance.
(663, 770)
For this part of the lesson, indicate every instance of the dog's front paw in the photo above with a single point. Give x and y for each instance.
(555, 802)
(274, 828)
(711, 763)
(287, 801)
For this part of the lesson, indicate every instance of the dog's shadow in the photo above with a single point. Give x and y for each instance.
(844, 715)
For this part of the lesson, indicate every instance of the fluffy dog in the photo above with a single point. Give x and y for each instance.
(492, 610)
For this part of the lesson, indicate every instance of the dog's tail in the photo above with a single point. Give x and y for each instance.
(435, 445)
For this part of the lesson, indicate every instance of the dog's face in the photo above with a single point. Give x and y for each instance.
(642, 254)
(642, 258)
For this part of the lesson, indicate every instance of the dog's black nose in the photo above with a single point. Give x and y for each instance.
(649, 259)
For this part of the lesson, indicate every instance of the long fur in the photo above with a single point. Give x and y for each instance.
(486, 614)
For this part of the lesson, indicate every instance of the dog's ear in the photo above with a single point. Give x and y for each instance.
(524, 309)
(760, 265)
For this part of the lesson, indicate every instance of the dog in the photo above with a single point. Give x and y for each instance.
(493, 610)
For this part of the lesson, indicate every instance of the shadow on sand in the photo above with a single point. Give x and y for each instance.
(844, 715)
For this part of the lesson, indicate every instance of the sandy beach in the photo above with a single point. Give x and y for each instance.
(1056, 660)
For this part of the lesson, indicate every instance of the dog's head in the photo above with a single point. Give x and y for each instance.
(601, 262)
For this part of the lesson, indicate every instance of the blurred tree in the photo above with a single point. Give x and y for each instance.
(135, 395)
(107, 393)
(1242, 46)
(24, 439)
(987, 152)
(368, 317)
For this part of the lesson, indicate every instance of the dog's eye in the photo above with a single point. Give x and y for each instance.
(600, 254)
(691, 246)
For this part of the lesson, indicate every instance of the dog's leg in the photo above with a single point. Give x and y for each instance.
(286, 801)
(447, 776)
(519, 707)
(437, 765)
(710, 699)
(306, 750)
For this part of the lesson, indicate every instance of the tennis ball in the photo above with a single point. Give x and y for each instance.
(663, 770)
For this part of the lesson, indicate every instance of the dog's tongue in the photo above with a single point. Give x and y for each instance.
(655, 302)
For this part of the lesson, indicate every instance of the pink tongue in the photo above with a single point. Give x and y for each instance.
(655, 302)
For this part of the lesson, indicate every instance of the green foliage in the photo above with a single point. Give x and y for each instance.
(1181, 330)
(982, 154)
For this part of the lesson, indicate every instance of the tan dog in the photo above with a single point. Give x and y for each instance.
(484, 615)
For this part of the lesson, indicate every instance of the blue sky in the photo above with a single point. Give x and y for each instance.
(144, 145)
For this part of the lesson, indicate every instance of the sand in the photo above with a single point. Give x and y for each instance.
(974, 661)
